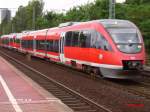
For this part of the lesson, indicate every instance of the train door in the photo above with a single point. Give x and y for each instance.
(34, 45)
(61, 47)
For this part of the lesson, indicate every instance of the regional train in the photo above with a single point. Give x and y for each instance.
(111, 48)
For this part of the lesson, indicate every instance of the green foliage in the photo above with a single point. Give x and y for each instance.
(136, 11)
(23, 19)
(53, 19)
(138, 2)
(91, 11)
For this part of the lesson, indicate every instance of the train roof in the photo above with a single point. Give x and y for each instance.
(116, 23)
(6, 36)
(105, 22)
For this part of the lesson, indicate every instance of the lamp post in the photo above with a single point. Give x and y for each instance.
(112, 9)
(33, 18)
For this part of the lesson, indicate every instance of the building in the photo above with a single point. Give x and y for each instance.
(5, 14)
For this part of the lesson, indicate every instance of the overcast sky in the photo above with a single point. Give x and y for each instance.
(49, 4)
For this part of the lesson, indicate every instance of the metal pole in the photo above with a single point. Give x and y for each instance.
(12, 27)
(33, 18)
(112, 9)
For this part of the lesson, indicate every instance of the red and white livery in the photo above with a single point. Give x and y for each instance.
(110, 47)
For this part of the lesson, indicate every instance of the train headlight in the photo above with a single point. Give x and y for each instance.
(100, 56)
(130, 48)
(118, 46)
(139, 46)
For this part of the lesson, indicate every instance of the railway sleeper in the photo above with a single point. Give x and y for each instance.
(56, 91)
(61, 96)
(91, 110)
(80, 106)
(69, 98)
(53, 89)
(86, 107)
(76, 104)
(59, 92)
(71, 101)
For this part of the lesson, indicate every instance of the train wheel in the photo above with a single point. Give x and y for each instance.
(86, 68)
(73, 64)
(94, 72)
(100, 74)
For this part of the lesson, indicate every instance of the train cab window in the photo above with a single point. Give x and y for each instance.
(99, 42)
(85, 39)
(68, 38)
(75, 39)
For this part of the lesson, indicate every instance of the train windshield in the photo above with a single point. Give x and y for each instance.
(126, 39)
(124, 35)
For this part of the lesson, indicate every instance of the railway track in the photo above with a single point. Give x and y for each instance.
(141, 89)
(137, 87)
(147, 60)
(73, 99)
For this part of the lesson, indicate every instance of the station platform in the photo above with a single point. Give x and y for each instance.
(18, 93)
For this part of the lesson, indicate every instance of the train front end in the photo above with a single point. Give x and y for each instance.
(128, 52)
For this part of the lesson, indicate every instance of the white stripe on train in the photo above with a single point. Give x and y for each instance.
(83, 62)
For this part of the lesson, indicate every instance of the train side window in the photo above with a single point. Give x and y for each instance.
(40, 44)
(24, 43)
(82, 42)
(99, 42)
(75, 38)
(85, 39)
(6, 41)
(68, 38)
(17, 41)
(27, 44)
(30, 44)
(55, 46)
(11, 40)
(50, 45)
(36, 44)
(88, 38)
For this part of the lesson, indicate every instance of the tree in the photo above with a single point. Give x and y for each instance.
(138, 2)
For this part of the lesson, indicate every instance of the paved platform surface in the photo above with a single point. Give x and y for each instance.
(18, 93)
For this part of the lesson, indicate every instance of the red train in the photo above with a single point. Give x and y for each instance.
(110, 47)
